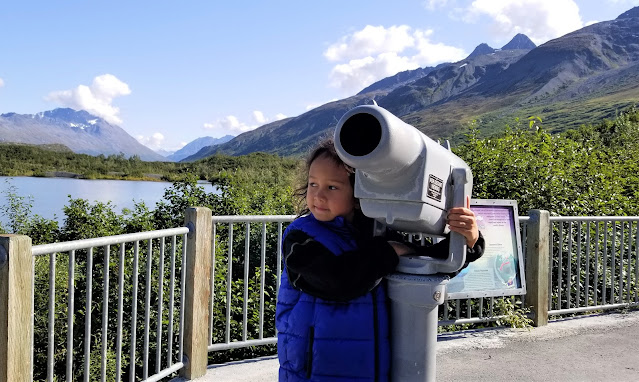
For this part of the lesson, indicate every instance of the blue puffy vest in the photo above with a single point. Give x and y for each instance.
(321, 340)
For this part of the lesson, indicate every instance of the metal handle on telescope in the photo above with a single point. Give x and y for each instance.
(457, 244)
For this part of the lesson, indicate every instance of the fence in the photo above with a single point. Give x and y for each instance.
(199, 304)
(594, 264)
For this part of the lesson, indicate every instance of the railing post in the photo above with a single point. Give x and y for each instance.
(537, 265)
(197, 290)
(16, 308)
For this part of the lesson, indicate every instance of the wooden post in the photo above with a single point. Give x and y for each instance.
(197, 291)
(16, 308)
(537, 265)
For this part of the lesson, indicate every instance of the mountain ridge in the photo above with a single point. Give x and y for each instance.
(196, 145)
(80, 131)
(591, 72)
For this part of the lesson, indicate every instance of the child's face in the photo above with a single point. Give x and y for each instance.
(329, 192)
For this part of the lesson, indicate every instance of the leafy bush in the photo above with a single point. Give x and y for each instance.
(580, 172)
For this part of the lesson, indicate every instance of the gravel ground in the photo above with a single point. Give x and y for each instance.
(601, 347)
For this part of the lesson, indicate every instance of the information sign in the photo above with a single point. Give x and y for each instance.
(500, 271)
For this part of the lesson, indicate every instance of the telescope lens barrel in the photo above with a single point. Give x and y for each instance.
(360, 134)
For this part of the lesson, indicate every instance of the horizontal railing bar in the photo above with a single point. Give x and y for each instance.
(284, 218)
(582, 309)
(66, 246)
(241, 344)
(463, 321)
(476, 320)
(253, 218)
(165, 372)
(593, 218)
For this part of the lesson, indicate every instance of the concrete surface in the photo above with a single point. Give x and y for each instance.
(601, 347)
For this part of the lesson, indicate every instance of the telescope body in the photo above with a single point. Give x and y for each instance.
(407, 181)
(403, 178)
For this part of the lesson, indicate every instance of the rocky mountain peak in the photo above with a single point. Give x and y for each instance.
(482, 48)
(520, 41)
(70, 115)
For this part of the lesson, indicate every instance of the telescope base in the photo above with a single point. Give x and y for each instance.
(414, 302)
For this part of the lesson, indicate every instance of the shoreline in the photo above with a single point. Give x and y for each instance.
(108, 176)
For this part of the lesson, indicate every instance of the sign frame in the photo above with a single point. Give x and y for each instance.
(514, 242)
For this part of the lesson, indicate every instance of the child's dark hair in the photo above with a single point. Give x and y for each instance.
(325, 148)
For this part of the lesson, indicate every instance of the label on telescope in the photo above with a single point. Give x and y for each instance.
(435, 187)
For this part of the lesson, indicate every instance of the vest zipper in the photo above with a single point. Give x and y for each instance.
(309, 352)
(376, 331)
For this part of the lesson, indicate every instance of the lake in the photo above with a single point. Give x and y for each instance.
(49, 195)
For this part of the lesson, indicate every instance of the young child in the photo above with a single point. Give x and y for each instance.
(332, 312)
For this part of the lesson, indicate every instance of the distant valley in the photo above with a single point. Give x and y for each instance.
(196, 145)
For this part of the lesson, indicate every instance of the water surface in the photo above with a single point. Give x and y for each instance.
(49, 195)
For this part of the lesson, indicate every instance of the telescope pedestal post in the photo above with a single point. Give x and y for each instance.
(414, 302)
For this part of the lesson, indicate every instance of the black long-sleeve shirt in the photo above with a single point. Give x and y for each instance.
(315, 270)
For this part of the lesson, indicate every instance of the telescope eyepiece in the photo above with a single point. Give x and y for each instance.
(360, 134)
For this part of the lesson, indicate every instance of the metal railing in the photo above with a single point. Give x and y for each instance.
(260, 241)
(592, 266)
(263, 246)
(594, 263)
(116, 358)
(454, 311)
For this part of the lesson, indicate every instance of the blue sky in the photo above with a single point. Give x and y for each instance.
(170, 72)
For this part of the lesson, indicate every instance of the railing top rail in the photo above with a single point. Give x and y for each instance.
(253, 218)
(117, 239)
(593, 218)
(522, 218)
(66, 246)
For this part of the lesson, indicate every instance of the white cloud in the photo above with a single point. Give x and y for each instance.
(357, 74)
(259, 117)
(374, 53)
(153, 142)
(369, 41)
(434, 4)
(540, 20)
(1, 82)
(96, 99)
(279, 116)
(232, 125)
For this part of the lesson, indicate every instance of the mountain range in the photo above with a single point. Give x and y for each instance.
(578, 78)
(85, 133)
(196, 145)
(78, 130)
(581, 77)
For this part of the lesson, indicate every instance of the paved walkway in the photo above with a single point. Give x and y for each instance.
(595, 348)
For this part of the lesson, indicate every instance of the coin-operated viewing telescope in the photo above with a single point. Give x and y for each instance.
(407, 181)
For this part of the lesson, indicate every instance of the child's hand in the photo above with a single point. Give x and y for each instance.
(462, 220)
(400, 248)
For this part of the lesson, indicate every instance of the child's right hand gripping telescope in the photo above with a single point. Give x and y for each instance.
(405, 180)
